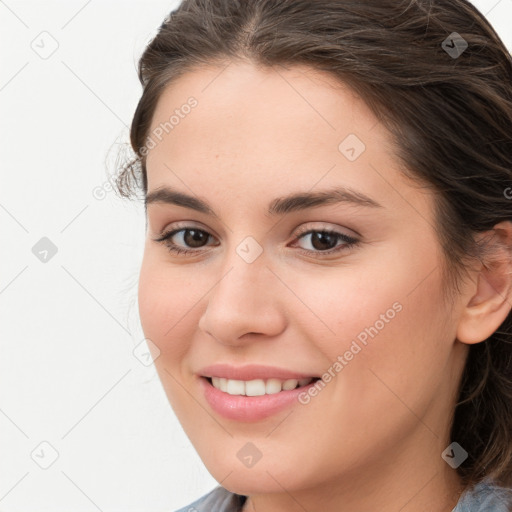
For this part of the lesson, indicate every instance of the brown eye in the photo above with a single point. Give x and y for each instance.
(192, 240)
(322, 240)
(195, 237)
(325, 241)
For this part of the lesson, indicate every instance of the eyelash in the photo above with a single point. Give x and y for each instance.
(348, 241)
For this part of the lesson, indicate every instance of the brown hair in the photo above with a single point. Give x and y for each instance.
(450, 114)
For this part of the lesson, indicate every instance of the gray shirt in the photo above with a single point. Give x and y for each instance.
(484, 497)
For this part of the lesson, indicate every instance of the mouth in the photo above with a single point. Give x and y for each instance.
(249, 401)
(258, 387)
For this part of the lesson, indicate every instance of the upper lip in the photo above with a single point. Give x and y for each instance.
(251, 372)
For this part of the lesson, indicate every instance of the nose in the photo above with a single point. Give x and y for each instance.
(245, 301)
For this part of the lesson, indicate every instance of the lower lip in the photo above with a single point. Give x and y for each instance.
(249, 408)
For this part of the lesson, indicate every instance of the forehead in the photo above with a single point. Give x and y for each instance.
(240, 100)
(251, 126)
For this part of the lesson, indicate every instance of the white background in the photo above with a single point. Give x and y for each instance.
(68, 375)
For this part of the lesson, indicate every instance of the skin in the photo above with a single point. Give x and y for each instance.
(372, 438)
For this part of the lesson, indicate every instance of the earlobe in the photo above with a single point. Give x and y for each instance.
(491, 297)
(485, 312)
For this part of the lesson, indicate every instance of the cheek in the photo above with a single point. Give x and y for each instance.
(169, 320)
(390, 330)
(393, 347)
(166, 306)
(396, 341)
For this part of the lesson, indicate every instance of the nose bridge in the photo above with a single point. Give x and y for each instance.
(243, 299)
(243, 274)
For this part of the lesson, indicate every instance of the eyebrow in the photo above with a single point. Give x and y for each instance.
(280, 206)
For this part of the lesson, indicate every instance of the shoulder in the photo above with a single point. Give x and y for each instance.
(485, 496)
(217, 500)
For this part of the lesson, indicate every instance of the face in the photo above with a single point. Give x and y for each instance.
(345, 285)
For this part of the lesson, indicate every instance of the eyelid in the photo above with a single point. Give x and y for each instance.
(325, 227)
(301, 231)
(348, 241)
(186, 224)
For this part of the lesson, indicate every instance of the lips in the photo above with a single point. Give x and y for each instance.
(252, 406)
(252, 372)
(243, 408)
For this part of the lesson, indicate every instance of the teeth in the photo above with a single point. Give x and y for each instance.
(257, 387)
(290, 384)
(273, 386)
(236, 387)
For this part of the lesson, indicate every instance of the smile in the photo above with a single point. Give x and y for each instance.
(238, 404)
(257, 387)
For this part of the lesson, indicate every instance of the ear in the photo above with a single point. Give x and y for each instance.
(490, 295)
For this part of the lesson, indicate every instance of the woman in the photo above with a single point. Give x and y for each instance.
(326, 280)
